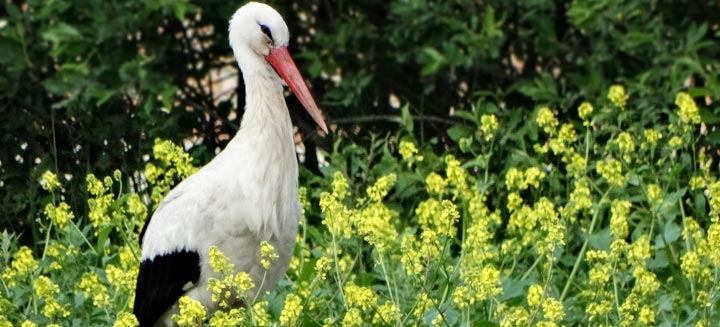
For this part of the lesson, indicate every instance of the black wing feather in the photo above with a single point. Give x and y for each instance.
(160, 283)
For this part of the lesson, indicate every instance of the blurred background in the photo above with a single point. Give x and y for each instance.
(87, 86)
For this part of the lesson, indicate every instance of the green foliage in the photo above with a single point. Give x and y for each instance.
(491, 163)
(90, 87)
(608, 222)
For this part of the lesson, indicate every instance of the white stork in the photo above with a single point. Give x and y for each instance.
(247, 194)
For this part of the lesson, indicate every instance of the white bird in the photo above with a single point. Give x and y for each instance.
(247, 194)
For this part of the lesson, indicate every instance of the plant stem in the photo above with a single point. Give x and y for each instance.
(581, 255)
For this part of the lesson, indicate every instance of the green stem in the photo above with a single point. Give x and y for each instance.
(390, 288)
(581, 255)
(83, 236)
(336, 271)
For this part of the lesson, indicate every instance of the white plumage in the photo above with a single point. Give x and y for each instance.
(246, 194)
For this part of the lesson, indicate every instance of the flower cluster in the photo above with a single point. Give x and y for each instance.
(488, 126)
(174, 165)
(191, 312)
(617, 96)
(230, 288)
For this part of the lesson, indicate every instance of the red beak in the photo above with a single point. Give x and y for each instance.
(280, 59)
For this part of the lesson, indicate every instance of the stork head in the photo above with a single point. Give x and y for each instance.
(259, 36)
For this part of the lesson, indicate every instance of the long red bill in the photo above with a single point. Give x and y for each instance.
(280, 59)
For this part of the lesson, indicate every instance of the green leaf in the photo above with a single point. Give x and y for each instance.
(61, 32)
(13, 11)
(407, 120)
(459, 131)
(513, 288)
(671, 232)
(432, 61)
(674, 197)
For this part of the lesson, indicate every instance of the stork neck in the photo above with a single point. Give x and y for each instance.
(266, 112)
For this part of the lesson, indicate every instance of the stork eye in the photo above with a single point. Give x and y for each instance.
(266, 30)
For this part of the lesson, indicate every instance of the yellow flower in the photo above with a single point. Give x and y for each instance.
(639, 251)
(690, 264)
(386, 314)
(233, 317)
(382, 186)
(337, 216)
(95, 186)
(267, 254)
(260, 313)
(624, 142)
(546, 120)
(553, 310)
(484, 283)
(514, 201)
(599, 275)
(49, 181)
(533, 176)
(173, 155)
(535, 293)
(514, 317)
(713, 191)
(136, 206)
(22, 266)
(675, 143)
(689, 113)
(697, 182)
(566, 136)
(435, 184)
(92, 286)
(447, 219)
(411, 257)
(407, 150)
(361, 297)
(28, 323)
(611, 171)
(191, 313)
(646, 283)
(59, 215)
(654, 194)
(647, 316)
(230, 285)
(580, 199)
(291, 311)
(488, 125)
(53, 309)
(513, 178)
(463, 297)
(374, 223)
(456, 175)
(120, 278)
(353, 318)
(651, 137)
(126, 319)
(219, 262)
(322, 267)
(44, 287)
(618, 220)
(618, 96)
(576, 165)
(584, 111)
(597, 310)
(339, 186)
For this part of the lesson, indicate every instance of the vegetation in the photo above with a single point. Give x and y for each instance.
(538, 163)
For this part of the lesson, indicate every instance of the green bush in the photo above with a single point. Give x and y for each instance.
(89, 87)
(604, 222)
(485, 165)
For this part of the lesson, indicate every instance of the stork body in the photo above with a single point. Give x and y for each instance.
(247, 194)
